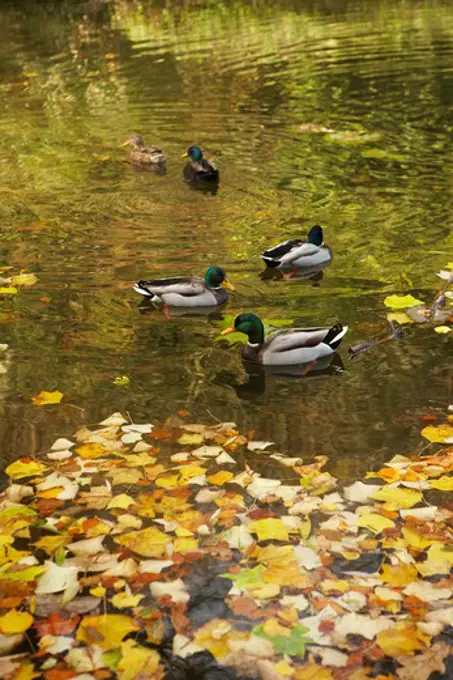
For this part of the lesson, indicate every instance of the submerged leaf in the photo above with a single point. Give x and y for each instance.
(44, 398)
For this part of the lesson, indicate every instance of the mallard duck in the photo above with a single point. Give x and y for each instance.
(298, 253)
(199, 169)
(144, 155)
(188, 291)
(286, 347)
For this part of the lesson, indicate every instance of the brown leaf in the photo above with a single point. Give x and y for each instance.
(422, 665)
(181, 622)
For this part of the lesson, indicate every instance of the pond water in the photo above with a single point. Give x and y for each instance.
(255, 85)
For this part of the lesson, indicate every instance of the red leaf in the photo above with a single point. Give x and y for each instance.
(57, 624)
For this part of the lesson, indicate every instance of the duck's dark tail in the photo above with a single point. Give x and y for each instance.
(335, 335)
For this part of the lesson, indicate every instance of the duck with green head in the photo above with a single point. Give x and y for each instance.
(143, 155)
(188, 291)
(199, 169)
(286, 347)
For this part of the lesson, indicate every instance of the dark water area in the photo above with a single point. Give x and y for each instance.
(337, 113)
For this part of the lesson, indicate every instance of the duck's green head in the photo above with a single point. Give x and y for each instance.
(216, 277)
(249, 324)
(195, 154)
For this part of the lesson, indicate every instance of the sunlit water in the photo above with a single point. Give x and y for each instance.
(245, 82)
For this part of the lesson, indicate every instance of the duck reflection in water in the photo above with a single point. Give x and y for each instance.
(255, 386)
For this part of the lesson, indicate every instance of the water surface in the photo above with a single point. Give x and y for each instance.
(255, 85)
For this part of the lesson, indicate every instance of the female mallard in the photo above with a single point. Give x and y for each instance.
(199, 169)
(286, 347)
(299, 253)
(145, 155)
(188, 291)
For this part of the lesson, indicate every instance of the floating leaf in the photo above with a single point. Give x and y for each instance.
(8, 290)
(376, 523)
(25, 467)
(121, 380)
(24, 279)
(439, 434)
(398, 575)
(397, 498)
(401, 301)
(402, 638)
(15, 622)
(44, 398)
(107, 631)
(269, 528)
(293, 643)
(442, 330)
(149, 542)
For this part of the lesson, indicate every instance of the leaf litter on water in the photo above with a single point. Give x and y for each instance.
(107, 551)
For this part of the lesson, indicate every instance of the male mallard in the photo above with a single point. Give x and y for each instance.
(188, 291)
(199, 169)
(145, 155)
(286, 347)
(298, 253)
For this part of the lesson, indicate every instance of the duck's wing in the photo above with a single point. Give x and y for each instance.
(290, 251)
(186, 286)
(295, 338)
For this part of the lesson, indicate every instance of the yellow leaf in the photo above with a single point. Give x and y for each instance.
(192, 470)
(15, 622)
(442, 330)
(44, 398)
(438, 434)
(415, 539)
(123, 600)
(269, 528)
(215, 635)
(220, 478)
(24, 467)
(400, 639)
(284, 669)
(8, 290)
(399, 317)
(189, 439)
(264, 591)
(99, 591)
(107, 630)
(122, 501)
(311, 671)
(149, 542)
(329, 586)
(397, 498)
(376, 523)
(444, 483)
(305, 528)
(24, 279)
(440, 553)
(275, 555)
(290, 574)
(91, 450)
(398, 575)
(183, 545)
(51, 543)
(167, 481)
(272, 627)
(401, 301)
(26, 672)
(137, 662)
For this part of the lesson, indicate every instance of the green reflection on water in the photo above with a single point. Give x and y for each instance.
(330, 113)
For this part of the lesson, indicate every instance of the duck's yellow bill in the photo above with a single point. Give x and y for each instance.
(184, 155)
(227, 285)
(124, 143)
(227, 331)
